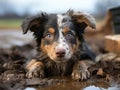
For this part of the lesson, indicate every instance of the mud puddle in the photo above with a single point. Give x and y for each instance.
(92, 87)
(68, 84)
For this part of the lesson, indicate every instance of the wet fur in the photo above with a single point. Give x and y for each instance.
(51, 68)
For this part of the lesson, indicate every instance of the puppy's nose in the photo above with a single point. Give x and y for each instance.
(60, 53)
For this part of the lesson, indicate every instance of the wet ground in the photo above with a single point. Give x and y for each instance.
(105, 74)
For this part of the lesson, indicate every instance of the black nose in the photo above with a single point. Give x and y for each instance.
(60, 53)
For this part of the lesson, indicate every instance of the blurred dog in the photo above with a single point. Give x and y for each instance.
(61, 46)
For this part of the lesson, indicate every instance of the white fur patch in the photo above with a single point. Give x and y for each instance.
(60, 20)
(62, 43)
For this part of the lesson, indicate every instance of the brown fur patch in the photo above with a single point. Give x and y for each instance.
(84, 17)
(49, 49)
(51, 30)
(66, 29)
(75, 46)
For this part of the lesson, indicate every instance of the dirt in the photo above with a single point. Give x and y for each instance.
(105, 73)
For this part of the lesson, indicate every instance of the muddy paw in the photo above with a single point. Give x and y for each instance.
(35, 73)
(35, 70)
(80, 70)
(80, 75)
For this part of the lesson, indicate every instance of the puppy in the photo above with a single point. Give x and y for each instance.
(61, 46)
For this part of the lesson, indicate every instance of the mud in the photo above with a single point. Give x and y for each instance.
(104, 74)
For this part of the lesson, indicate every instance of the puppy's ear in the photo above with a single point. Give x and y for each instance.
(34, 23)
(82, 20)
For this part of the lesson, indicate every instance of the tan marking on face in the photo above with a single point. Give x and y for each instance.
(49, 50)
(75, 46)
(51, 30)
(66, 29)
(42, 46)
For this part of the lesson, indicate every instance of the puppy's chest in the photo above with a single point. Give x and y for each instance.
(58, 69)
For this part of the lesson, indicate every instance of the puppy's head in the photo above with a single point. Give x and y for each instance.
(58, 35)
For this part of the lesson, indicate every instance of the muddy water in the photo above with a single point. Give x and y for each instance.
(92, 87)
(68, 84)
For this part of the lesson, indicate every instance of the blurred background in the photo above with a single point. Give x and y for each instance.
(16, 48)
(12, 12)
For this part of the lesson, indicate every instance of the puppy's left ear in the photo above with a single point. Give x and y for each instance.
(82, 20)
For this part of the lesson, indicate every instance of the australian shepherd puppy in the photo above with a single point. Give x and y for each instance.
(61, 46)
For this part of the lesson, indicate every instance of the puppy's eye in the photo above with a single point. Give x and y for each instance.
(69, 36)
(49, 36)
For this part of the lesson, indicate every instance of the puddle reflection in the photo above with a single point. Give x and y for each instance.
(100, 88)
(70, 88)
(76, 86)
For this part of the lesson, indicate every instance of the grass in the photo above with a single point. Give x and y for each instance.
(10, 23)
(16, 23)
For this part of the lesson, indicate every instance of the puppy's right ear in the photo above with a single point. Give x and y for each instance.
(34, 23)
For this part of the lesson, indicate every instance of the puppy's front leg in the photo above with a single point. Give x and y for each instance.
(35, 69)
(80, 70)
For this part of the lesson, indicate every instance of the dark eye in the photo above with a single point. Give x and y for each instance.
(69, 36)
(49, 36)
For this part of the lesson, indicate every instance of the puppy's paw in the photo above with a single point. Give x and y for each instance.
(35, 69)
(35, 72)
(80, 70)
(81, 75)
